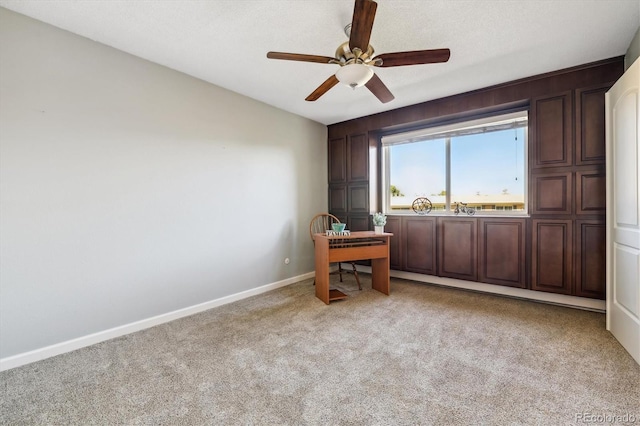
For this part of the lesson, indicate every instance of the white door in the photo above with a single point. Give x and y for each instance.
(623, 210)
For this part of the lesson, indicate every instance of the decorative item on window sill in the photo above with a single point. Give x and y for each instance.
(379, 221)
(422, 205)
(462, 208)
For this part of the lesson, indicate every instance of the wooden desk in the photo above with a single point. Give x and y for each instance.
(357, 246)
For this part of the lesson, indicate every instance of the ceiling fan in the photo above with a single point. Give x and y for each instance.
(356, 59)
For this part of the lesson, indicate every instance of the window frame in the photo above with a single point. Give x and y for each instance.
(455, 128)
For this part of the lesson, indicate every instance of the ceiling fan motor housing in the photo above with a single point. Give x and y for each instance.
(345, 56)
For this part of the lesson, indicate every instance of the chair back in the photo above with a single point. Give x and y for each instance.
(321, 223)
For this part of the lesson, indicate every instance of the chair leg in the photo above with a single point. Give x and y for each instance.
(355, 273)
(340, 270)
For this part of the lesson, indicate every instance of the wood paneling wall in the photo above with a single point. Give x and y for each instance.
(560, 247)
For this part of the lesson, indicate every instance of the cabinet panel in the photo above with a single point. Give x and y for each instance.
(552, 193)
(358, 222)
(419, 250)
(551, 256)
(590, 125)
(337, 199)
(552, 131)
(457, 248)
(358, 198)
(590, 259)
(591, 192)
(394, 225)
(358, 158)
(502, 252)
(338, 160)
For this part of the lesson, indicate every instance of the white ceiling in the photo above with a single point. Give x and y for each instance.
(225, 42)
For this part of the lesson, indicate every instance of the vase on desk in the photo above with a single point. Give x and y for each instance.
(378, 229)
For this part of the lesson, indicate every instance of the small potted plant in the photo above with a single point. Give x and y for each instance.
(379, 221)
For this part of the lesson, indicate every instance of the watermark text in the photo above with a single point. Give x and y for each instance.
(587, 417)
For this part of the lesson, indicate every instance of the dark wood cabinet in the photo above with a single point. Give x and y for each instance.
(358, 198)
(590, 276)
(551, 193)
(590, 125)
(591, 192)
(337, 199)
(552, 130)
(338, 160)
(419, 245)
(457, 248)
(358, 158)
(567, 256)
(394, 225)
(358, 222)
(551, 255)
(349, 179)
(501, 252)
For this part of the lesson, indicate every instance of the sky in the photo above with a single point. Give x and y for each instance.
(486, 163)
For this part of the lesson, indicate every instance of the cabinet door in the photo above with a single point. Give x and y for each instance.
(338, 160)
(358, 198)
(552, 131)
(502, 252)
(358, 222)
(419, 249)
(457, 248)
(591, 195)
(551, 256)
(590, 125)
(358, 158)
(337, 199)
(552, 193)
(590, 259)
(394, 226)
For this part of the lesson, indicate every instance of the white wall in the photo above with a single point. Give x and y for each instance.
(633, 51)
(129, 190)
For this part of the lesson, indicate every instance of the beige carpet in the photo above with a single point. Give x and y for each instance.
(423, 355)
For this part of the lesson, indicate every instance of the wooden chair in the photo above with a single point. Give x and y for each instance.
(320, 224)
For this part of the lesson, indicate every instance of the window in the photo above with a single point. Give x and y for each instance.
(481, 163)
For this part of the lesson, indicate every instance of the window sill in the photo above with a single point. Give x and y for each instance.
(482, 215)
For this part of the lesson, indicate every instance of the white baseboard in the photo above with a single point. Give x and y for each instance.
(538, 296)
(91, 339)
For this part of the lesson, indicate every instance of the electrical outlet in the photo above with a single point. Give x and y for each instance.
(286, 261)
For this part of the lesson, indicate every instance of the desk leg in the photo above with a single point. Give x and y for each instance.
(322, 269)
(380, 274)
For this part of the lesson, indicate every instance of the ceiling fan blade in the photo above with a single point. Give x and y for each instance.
(377, 87)
(322, 89)
(414, 57)
(364, 12)
(300, 57)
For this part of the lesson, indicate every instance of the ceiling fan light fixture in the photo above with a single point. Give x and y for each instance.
(354, 75)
